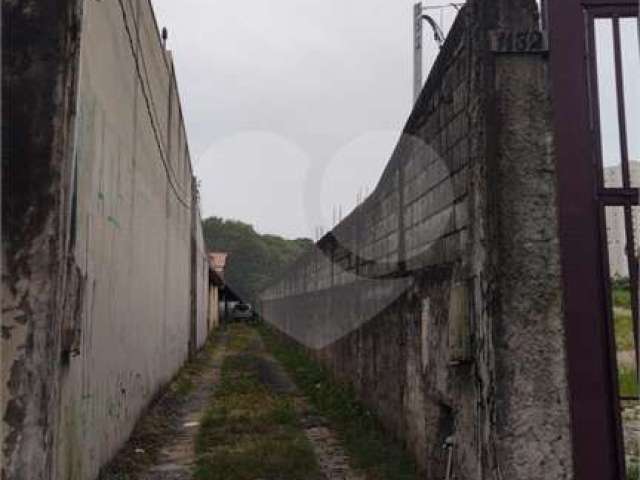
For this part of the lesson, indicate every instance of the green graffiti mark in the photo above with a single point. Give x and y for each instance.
(113, 221)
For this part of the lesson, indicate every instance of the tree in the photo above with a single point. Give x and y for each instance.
(255, 260)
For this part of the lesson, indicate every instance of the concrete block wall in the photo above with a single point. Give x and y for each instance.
(105, 277)
(439, 298)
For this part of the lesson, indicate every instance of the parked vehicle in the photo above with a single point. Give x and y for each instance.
(242, 311)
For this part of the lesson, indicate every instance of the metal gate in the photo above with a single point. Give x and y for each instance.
(595, 73)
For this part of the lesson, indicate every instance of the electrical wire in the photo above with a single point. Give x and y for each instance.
(148, 102)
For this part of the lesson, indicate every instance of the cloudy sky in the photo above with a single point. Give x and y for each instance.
(292, 107)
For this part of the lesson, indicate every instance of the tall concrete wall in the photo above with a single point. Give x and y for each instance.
(439, 298)
(104, 272)
(202, 286)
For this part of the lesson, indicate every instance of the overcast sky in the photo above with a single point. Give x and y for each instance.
(291, 106)
(294, 106)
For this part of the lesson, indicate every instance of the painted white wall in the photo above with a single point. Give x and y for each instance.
(133, 241)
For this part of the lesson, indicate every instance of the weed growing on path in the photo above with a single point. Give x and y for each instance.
(370, 447)
(249, 431)
(150, 434)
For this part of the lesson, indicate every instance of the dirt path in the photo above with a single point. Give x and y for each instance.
(334, 462)
(162, 444)
(258, 404)
(177, 459)
(331, 457)
(163, 447)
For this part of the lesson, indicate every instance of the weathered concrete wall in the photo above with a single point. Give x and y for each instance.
(214, 307)
(439, 298)
(202, 285)
(105, 276)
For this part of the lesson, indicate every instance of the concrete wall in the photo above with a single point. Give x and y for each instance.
(104, 272)
(214, 307)
(440, 297)
(201, 269)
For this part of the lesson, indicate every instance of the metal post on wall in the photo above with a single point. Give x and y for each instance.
(417, 50)
(418, 16)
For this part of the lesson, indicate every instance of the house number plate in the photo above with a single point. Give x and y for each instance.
(509, 41)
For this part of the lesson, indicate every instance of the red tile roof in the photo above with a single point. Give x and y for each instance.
(218, 260)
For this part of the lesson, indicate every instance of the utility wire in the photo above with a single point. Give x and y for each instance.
(170, 73)
(168, 170)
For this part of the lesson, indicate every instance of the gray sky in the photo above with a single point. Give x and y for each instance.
(608, 104)
(291, 106)
(294, 106)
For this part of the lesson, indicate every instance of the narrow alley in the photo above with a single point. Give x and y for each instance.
(234, 413)
(322, 240)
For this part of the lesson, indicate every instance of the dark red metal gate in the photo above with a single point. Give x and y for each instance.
(596, 124)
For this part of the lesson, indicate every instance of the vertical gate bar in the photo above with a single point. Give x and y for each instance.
(608, 318)
(593, 93)
(592, 401)
(622, 118)
(593, 99)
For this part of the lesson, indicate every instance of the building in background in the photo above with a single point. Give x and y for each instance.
(217, 263)
(616, 236)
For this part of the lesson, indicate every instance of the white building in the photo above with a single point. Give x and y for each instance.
(618, 265)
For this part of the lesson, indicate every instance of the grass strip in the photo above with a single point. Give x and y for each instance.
(628, 381)
(621, 295)
(250, 432)
(623, 329)
(371, 449)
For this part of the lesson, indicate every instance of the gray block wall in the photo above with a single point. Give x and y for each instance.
(440, 298)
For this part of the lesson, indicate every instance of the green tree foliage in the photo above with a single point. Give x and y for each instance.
(255, 260)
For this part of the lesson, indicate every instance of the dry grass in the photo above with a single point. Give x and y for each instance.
(370, 448)
(249, 431)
